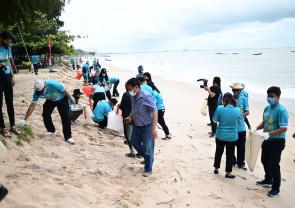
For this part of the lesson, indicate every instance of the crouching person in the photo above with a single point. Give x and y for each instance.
(74, 111)
(101, 112)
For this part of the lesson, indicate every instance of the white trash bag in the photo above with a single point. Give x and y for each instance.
(87, 116)
(3, 150)
(204, 108)
(253, 146)
(115, 121)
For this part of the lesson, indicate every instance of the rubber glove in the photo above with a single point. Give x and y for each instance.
(254, 129)
(22, 123)
(264, 135)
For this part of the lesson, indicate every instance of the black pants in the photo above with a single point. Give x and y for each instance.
(98, 96)
(36, 68)
(103, 123)
(270, 158)
(108, 94)
(73, 115)
(241, 143)
(161, 121)
(213, 124)
(63, 110)
(6, 88)
(230, 150)
(115, 91)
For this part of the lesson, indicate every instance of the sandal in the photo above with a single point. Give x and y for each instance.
(15, 130)
(5, 132)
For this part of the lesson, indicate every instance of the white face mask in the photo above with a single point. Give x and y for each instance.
(132, 93)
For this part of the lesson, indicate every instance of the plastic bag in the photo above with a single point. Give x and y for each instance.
(115, 121)
(78, 75)
(204, 108)
(3, 150)
(87, 116)
(253, 146)
(87, 90)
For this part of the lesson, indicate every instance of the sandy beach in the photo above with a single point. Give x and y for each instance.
(48, 172)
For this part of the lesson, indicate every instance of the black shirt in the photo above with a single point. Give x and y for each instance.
(125, 105)
(213, 101)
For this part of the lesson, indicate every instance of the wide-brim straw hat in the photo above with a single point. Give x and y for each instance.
(237, 86)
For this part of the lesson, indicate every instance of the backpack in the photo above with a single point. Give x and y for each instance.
(84, 70)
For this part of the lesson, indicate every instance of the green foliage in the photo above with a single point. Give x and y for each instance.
(27, 135)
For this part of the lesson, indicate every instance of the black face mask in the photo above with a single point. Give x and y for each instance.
(5, 45)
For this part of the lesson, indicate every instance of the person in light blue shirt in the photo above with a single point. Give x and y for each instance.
(146, 87)
(115, 81)
(274, 124)
(242, 103)
(140, 72)
(228, 117)
(35, 61)
(94, 64)
(74, 110)
(6, 84)
(55, 95)
(103, 78)
(161, 110)
(99, 93)
(246, 95)
(73, 62)
(85, 72)
(101, 112)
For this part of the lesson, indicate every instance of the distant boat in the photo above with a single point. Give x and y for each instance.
(256, 54)
(108, 59)
(235, 53)
(292, 51)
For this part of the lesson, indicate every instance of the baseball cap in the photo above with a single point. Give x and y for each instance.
(78, 92)
(7, 35)
(39, 86)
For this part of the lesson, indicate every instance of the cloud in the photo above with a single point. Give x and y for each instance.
(147, 25)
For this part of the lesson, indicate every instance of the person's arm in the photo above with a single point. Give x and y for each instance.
(67, 93)
(277, 131)
(211, 94)
(30, 111)
(246, 113)
(154, 124)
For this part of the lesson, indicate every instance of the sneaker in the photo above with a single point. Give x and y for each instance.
(243, 167)
(71, 141)
(212, 135)
(273, 193)
(130, 155)
(167, 137)
(264, 183)
(142, 162)
(230, 176)
(48, 133)
(3, 192)
(138, 155)
(216, 172)
(146, 174)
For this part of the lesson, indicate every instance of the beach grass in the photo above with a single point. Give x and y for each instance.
(27, 135)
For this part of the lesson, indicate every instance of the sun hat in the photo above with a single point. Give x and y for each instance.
(237, 86)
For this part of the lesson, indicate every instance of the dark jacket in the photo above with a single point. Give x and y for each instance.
(125, 104)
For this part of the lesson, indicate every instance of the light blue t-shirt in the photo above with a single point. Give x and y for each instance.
(244, 93)
(112, 80)
(94, 62)
(87, 67)
(227, 118)
(243, 105)
(35, 59)
(149, 90)
(4, 58)
(159, 100)
(54, 92)
(275, 118)
(97, 88)
(102, 108)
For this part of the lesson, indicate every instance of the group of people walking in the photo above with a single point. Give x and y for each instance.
(230, 133)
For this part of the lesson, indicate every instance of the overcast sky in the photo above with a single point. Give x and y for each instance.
(157, 25)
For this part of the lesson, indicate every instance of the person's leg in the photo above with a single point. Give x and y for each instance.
(48, 108)
(277, 146)
(115, 91)
(161, 121)
(2, 123)
(73, 115)
(136, 140)
(265, 160)
(108, 94)
(218, 153)
(241, 148)
(148, 147)
(213, 124)
(104, 122)
(230, 151)
(8, 92)
(3, 192)
(63, 108)
(95, 100)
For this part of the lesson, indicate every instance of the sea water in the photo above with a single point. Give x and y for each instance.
(274, 67)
